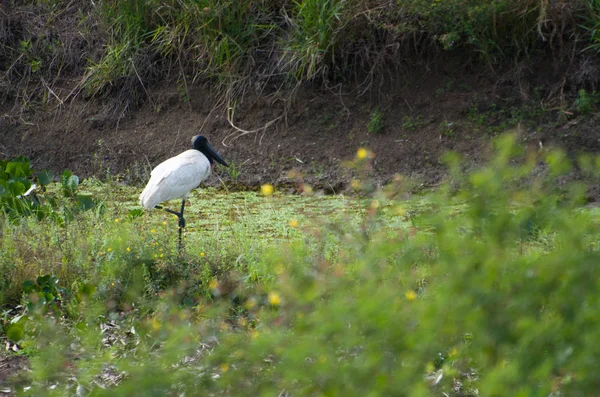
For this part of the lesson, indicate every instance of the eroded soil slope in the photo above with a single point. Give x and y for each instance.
(409, 125)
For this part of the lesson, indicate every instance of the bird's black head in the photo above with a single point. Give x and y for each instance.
(201, 143)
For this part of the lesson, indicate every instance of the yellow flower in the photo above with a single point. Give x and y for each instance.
(117, 220)
(165, 223)
(266, 189)
(254, 334)
(375, 204)
(355, 184)
(400, 211)
(109, 249)
(293, 223)
(214, 284)
(155, 324)
(250, 303)
(410, 295)
(274, 298)
(161, 255)
(429, 368)
(224, 367)
(153, 231)
(362, 153)
(202, 254)
(307, 190)
(128, 249)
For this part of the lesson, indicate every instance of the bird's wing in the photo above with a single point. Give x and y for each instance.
(175, 177)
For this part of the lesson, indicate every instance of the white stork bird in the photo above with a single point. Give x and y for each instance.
(177, 176)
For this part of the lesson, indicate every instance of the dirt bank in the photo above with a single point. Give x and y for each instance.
(409, 123)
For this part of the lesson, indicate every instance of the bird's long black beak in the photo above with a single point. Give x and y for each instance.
(213, 153)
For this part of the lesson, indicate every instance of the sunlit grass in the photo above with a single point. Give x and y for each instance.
(224, 231)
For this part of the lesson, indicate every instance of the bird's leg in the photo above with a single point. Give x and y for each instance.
(179, 216)
(181, 221)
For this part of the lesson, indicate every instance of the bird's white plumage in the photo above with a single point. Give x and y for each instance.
(175, 178)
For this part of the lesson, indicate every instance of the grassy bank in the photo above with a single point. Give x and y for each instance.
(53, 51)
(487, 285)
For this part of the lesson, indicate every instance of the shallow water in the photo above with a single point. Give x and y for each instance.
(276, 217)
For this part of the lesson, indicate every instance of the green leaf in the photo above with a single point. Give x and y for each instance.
(70, 183)
(26, 182)
(16, 188)
(135, 213)
(65, 175)
(87, 290)
(29, 286)
(65, 180)
(85, 202)
(18, 169)
(73, 182)
(45, 177)
(15, 332)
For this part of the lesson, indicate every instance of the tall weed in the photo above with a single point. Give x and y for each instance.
(126, 46)
(309, 48)
(208, 38)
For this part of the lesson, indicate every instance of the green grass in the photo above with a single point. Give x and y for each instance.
(124, 48)
(488, 284)
(376, 121)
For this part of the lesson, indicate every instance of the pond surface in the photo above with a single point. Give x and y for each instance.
(219, 214)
